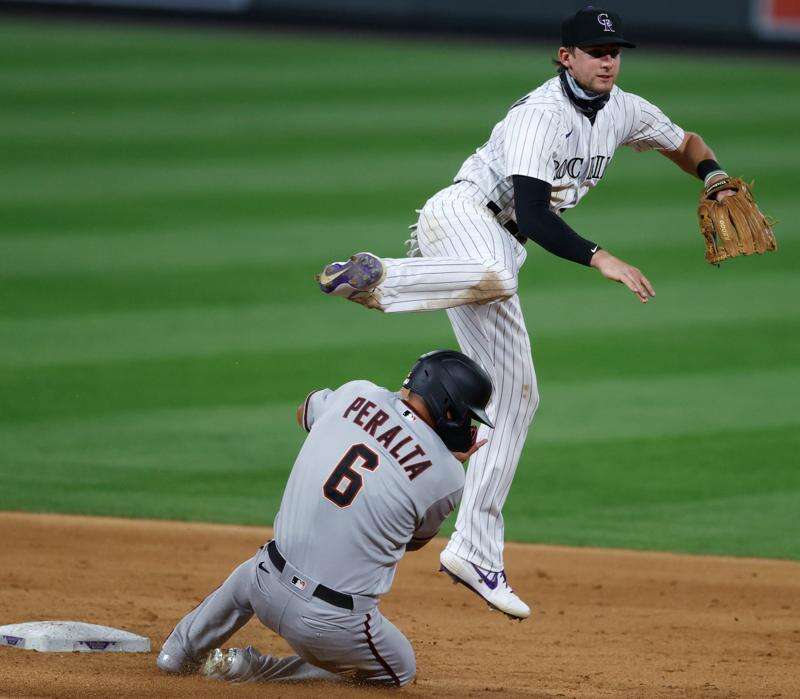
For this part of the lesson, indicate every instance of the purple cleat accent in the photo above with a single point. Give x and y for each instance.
(490, 578)
(491, 585)
(362, 272)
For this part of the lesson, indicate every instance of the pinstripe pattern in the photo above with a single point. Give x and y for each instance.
(494, 333)
(464, 261)
(468, 258)
(543, 130)
(469, 266)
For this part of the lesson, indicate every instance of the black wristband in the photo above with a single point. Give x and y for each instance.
(704, 167)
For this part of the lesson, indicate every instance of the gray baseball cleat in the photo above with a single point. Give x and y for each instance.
(491, 585)
(222, 664)
(362, 272)
(175, 663)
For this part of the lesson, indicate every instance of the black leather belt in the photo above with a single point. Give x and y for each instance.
(337, 599)
(510, 225)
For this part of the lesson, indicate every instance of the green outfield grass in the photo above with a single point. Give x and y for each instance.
(166, 196)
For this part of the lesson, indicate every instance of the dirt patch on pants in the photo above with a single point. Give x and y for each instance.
(605, 622)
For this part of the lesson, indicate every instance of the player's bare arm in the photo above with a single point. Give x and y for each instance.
(694, 151)
(463, 456)
(619, 271)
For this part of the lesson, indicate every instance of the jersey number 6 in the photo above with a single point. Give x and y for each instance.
(344, 496)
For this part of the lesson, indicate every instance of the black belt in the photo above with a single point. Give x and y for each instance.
(337, 599)
(510, 225)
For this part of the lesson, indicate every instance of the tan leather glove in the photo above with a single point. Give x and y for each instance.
(734, 226)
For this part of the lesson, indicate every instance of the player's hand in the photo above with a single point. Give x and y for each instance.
(723, 193)
(462, 456)
(615, 269)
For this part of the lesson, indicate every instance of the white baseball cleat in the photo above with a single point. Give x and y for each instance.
(491, 585)
(222, 664)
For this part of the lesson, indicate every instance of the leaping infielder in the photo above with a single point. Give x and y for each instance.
(550, 149)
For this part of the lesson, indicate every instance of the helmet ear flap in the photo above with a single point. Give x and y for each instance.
(455, 389)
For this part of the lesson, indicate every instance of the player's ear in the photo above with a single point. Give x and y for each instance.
(565, 54)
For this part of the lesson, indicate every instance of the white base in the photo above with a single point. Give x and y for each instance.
(71, 636)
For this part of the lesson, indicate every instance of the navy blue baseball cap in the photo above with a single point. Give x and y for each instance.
(593, 26)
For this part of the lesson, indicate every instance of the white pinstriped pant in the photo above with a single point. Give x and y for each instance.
(468, 266)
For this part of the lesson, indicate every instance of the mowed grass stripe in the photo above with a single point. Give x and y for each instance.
(290, 279)
(232, 164)
(674, 491)
(193, 244)
(112, 81)
(184, 49)
(443, 124)
(385, 212)
(206, 331)
(246, 377)
(129, 437)
(88, 97)
(730, 491)
(229, 238)
(141, 183)
(181, 436)
(181, 99)
(168, 210)
(168, 123)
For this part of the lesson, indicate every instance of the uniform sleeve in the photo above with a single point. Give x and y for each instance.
(315, 405)
(531, 142)
(651, 129)
(432, 520)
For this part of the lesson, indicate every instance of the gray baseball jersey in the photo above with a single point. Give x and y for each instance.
(370, 478)
(371, 481)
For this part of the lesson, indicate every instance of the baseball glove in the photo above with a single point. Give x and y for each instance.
(734, 226)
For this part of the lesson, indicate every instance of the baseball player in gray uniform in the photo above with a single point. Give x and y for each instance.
(377, 475)
(552, 147)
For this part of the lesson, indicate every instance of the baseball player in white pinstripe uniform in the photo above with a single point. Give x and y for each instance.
(467, 249)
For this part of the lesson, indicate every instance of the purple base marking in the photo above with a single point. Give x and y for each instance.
(13, 640)
(97, 645)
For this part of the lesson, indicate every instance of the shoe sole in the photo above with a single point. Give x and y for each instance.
(458, 581)
(362, 271)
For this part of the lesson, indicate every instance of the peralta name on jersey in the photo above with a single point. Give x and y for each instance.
(401, 446)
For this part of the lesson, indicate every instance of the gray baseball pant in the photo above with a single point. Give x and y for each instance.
(331, 643)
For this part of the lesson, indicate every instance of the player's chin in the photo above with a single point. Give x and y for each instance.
(603, 84)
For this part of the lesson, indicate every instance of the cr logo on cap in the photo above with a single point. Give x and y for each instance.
(603, 19)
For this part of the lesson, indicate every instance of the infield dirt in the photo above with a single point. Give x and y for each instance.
(605, 623)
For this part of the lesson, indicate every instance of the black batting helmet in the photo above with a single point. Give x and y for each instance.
(456, 390)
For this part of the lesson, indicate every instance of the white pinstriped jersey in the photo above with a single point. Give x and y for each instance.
(546, 137)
